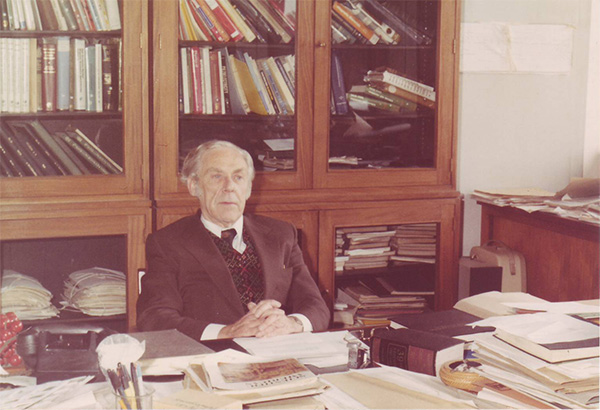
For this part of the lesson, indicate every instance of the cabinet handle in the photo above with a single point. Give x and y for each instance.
(322, 44)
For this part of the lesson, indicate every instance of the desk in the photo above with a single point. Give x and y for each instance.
(561, 255)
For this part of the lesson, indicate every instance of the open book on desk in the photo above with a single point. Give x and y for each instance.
(251, 379)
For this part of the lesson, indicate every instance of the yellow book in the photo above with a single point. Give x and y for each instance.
(238, 21)
(250, 91)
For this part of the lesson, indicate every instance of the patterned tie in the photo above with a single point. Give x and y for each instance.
(228, 235)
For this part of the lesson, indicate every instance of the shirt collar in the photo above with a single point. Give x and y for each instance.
(216, 229)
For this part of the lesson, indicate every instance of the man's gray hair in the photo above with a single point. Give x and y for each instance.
(193, 161)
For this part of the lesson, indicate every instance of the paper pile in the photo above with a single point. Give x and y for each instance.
(25, 296)
(96, 292)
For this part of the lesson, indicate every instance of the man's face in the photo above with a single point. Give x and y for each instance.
(223, 185)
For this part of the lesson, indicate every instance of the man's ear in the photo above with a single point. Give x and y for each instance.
(193, 188)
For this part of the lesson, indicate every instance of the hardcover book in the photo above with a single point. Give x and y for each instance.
(415, 350)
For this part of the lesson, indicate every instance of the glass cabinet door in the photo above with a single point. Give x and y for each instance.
(239, 80)
(386, 114)
(72, 106)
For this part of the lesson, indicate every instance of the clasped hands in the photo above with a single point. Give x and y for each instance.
(264, 319)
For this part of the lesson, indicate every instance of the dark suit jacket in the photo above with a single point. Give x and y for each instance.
(188, 286)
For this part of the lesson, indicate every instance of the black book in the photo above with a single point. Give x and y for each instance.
(19, 154)
(110, 76)
(95, 151)
(38, 155)
(54, 148)
(10, 168)
(24, 128)
(406, 30)
(70, 153)
(415, 350)
(349, 29)
(258, 21)
(83, 154)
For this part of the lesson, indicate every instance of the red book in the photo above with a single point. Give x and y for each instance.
(49, 75)
(228, 24)
(196, 64)
(210, 20)
(201, 24)
(215, 81)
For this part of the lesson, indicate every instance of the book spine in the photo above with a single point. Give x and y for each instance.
(87, 14)
(114, 15)
(258, 21)
(10, 143)
(32, 75)
(60, 18)
(215, 25)
(24, 74)
(79, 74)
(55, 148)
(225, 85)
(53, 165)
(195, 62)
(215, 81)
(283, 108)
(355, 22)
(184, 79)
(280, 83)
(98, 77)
(391, 98)
(280, 62)
(237, 20)
(90, 77)
(207, 97)
(20, 15)
(264, 10)
(69, 14)
(338, 88)
(81, 23)
(29, 15)
(400, 92)
(270, 92)
(395, 22)
(239, 101)
(107, 84)
(253, 68)
(63, 72)
(48, 75)
(103, 13)
(8, 160)
(409, 85)
(226, 22)
(92, 7)
(4, 15)
(198, 24)
(80, 168)
(85, 155)
(95, 150)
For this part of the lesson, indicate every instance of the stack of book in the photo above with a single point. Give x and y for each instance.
(60, 15)
(360, 248)
(96, 292)
(28, 148)
(376, 305)
(25, 296)
(264, 21)
(414, 243)
(216, 82)
(371, 22)
(60, 74)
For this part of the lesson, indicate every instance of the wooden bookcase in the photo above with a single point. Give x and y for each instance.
(51, 226)
(416, 187)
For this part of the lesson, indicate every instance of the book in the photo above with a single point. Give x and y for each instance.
(79, 91)
(207, 98)
(110, 76)
(249, 89)
(215, 81)
(355, 22)
(363, 102)
(412, 34)
(392, 77)
(90, 161)
(238, 21)
(48, 74)
(69, 14)
(63, 72)
(338, 88)
(185, 79)
(47, 161)
(211, 20)
(60, 17)
(265, 10)
(95, 150)
(114, 15)
(224, 19)
(258, 21)
(64, 159)
(415, 350)
(192, 22)
(79, 17)
(260, 86)
(552, 337)
(238, 101)
(369, 90)
(8, 161)
(80, 167)
(273, 90)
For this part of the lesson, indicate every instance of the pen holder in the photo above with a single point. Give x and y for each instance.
(142, 401)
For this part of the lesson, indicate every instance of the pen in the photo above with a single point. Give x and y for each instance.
(126, 383)
(138, 385)
(114, 380)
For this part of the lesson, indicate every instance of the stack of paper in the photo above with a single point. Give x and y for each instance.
(25, 296)
(96, 292)
(537, 354)
(585, 209)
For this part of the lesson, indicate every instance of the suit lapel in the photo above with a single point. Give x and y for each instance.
(197, 240)
(267, 249)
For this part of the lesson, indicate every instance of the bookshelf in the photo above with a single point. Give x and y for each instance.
(406, 171)
(75, 214)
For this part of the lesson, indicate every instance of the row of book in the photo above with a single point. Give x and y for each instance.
(60, 74)
(216, 82)
(384, 90)
(373, 247)
(371, 22)
(61, 15)
(264, 21)
(27, 148)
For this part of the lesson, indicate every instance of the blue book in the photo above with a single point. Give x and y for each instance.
(338, 88)
(63, 77)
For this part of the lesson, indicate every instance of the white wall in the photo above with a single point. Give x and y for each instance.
(523, 129)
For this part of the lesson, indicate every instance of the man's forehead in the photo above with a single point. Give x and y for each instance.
(225, 159)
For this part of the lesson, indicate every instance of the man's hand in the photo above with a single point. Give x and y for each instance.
(280, 324)
(249, 324)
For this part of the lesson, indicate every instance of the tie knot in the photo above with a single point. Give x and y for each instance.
(228, 235)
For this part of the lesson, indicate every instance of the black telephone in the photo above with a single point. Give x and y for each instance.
(61, 351)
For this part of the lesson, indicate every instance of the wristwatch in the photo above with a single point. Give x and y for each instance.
(295, 319)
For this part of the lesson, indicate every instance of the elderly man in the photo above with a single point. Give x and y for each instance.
(223, 274)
